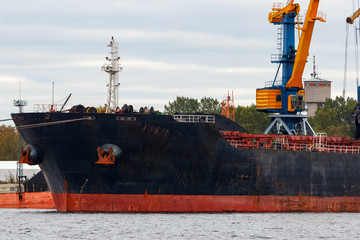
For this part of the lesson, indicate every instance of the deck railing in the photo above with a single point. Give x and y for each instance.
(295, 147)
(194, 118)
(47, 107)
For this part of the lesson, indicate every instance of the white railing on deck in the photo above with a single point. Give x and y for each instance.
(194, 118)
(47, 107)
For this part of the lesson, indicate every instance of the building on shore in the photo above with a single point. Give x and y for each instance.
(317, 90)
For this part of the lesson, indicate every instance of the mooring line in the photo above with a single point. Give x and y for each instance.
(4, 120)
(52, 123)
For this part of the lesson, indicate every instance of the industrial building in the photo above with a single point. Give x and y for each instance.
(317, 90)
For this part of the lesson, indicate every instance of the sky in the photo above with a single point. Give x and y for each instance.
(168, 48)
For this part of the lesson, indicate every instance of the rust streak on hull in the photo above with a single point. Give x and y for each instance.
(202, 203)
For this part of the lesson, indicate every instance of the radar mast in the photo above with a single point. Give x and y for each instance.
(112, 68)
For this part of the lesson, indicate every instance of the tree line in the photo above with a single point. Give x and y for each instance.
(9, 143)
(247, 116)
(334, 118)
(192, 105)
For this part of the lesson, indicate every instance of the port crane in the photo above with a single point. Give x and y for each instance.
(286, 98)
(356, 112)
(350, 20)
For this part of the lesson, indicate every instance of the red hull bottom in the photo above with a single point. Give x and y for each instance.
(203, 203)
(37, 200)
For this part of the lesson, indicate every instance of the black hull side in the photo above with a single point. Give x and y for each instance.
(165, 157)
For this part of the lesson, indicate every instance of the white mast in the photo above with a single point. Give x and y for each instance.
(112, 68)
(20, 104)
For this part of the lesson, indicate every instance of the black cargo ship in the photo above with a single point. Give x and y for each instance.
(186, 163)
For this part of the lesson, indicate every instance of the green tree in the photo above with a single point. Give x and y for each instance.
(9, 143)
(210, 105)
(334, 118)
(191, 105)
(251, 120)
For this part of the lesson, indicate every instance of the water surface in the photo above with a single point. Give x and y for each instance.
(49, 224)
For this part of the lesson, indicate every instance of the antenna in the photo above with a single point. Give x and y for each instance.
(314, 68)
(112, 68)
(52, 98)
(20, 104)
(314, 73)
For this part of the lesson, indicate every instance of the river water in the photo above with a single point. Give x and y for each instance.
(49, 224)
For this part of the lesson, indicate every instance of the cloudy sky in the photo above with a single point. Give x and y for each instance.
(168, 48)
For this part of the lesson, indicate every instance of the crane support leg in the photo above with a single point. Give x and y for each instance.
(290, 125)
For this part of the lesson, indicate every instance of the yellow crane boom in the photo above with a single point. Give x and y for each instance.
(351, 19)
(304, 45)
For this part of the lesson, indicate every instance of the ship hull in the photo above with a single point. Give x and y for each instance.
(171, 166)
(203, 203)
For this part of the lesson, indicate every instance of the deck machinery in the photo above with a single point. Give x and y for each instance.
(286, 98)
